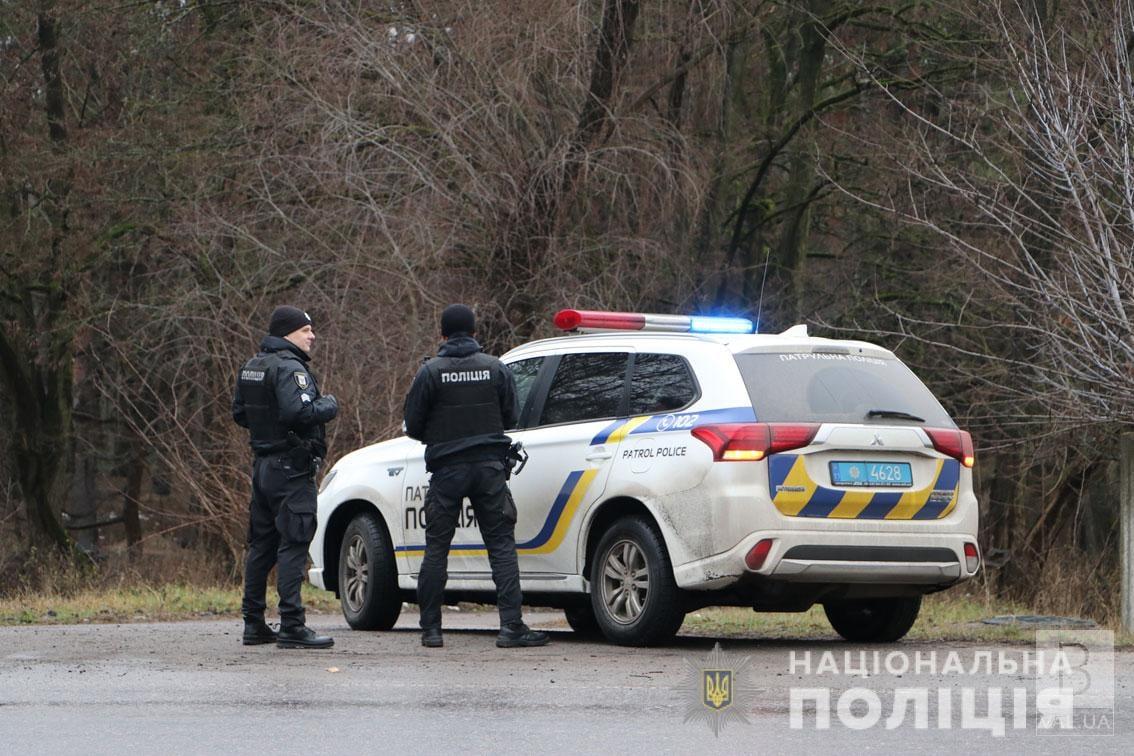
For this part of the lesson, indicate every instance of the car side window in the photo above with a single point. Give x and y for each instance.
(526, 373)
(586, 386)
(660, 383)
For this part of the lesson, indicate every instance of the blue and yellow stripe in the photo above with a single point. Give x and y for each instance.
(669, 423)
(549, 537)
(795, 494)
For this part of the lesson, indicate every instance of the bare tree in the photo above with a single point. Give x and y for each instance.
(1028, 177)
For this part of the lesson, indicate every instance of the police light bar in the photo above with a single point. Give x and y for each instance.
(589, 321)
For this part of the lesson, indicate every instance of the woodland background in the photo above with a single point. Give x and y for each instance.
(954, 180)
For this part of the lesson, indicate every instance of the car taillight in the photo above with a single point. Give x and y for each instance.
(741, 442)
(972, 558)
(958, 444)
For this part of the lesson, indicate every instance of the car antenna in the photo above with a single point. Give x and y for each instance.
(760, 299)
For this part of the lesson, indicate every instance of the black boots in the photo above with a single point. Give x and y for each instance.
(257, 632)
(519, 634)
(511, 636)
(302, 637)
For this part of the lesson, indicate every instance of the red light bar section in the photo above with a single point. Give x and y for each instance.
(569, 320)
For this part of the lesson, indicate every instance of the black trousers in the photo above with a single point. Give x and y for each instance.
(281, 526)
(486, 486)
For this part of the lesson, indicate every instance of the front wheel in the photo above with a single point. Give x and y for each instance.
(873, 620)
(581, 618)
(368, 575)
(633, 595)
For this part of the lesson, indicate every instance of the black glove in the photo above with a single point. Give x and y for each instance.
(326, 408)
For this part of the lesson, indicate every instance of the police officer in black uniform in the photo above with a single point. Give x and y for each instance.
(460, 404)
(277, 399)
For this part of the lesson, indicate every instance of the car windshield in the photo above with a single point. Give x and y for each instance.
(837, 388)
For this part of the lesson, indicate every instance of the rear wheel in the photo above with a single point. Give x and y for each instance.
(634, 598)
(873, 620)
(368, 576)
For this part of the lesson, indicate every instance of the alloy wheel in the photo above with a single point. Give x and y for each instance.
(625, 582)
(357, 573)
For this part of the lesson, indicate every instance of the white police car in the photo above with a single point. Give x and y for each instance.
(681, 462)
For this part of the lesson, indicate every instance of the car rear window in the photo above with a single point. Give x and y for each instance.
(587, 386)
(660, 383)
(836, 388)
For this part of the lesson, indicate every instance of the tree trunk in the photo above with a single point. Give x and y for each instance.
(35, 347)
(789, 256)
(41, 399)
(130, 502)
(529, 240)
(704, 245)
(82, 499)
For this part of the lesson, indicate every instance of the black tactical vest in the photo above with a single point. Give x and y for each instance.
(258, 389)
(467, 402)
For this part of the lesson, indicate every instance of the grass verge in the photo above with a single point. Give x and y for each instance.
(141, 604)
(944, 617)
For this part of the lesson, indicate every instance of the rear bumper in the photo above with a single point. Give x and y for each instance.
(315, 577)
(838, 571)
(844, 557)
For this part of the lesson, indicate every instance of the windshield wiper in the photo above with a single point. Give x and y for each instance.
(897, 414)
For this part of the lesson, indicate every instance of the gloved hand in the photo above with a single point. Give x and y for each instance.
(326, 408)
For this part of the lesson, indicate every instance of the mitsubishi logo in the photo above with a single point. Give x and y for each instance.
(877, 441)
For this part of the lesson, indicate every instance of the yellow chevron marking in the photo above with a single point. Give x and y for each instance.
(627, 428)
(792, 503)
(566, 516)
(952, 502)
(912, 501)
(851, 505)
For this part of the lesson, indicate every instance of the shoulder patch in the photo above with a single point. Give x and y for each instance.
(300, 379)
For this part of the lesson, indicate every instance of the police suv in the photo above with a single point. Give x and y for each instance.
(681, 462)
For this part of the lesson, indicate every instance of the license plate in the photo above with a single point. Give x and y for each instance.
(872, 474)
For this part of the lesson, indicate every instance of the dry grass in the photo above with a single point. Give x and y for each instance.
(141, 604)
(169, 582)
(947, 617)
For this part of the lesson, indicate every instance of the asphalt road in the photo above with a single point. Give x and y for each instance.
(190, 687)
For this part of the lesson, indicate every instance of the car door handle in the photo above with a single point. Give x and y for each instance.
(598, 456)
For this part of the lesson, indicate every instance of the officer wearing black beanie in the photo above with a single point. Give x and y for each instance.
(277, 399)
(460, 404)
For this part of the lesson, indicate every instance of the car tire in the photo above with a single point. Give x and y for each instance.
(368, 575)
(631, 611)
(873, 620)
(581, 619)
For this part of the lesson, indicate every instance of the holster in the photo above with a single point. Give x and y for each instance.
(516, 460)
